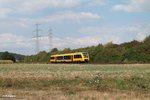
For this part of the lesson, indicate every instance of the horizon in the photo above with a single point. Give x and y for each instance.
(74, 24)
(75, 48)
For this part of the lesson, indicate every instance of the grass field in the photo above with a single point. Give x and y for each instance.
(74, 82)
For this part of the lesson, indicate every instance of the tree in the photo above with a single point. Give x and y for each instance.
(66, 50)
(147, 39)
(7, 56)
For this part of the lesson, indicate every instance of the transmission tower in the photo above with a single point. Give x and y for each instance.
(50, 39)
(37, 37)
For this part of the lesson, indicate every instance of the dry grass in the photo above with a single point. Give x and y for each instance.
(75, 81)
(83, 95)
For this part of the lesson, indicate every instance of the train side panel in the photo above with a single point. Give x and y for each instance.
(72, 57)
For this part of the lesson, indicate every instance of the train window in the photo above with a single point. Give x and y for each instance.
(60, 58)
(67, 57)
(77, 56)
(52, 58)
(85, 55)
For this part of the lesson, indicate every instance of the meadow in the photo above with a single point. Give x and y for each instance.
(75, 81)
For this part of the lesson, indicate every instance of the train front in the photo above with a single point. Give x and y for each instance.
(86, 56)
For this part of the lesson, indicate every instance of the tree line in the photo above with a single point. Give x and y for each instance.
(11, 56)
(129, 52)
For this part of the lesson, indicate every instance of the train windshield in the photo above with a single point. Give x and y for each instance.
(85, 55)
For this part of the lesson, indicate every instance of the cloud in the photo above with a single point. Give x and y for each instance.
(105, 34)
(112, 29)
(9, 40)
(4, 12)
(69, 42)
(133, 6)
(72, 16)
(31, 6)
(96, 2)
(36, 5)
(118, 34)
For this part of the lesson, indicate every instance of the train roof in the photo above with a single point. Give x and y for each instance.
(66, 54)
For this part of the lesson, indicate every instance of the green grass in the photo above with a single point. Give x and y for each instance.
(74, 78)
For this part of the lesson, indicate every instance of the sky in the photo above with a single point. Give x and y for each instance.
(74, 23)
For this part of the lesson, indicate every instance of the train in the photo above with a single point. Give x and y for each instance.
(78, 57)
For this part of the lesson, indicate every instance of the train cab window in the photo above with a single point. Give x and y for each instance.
(77, 56)
(85, 55)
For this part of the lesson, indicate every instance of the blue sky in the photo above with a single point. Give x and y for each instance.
(75, 23)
